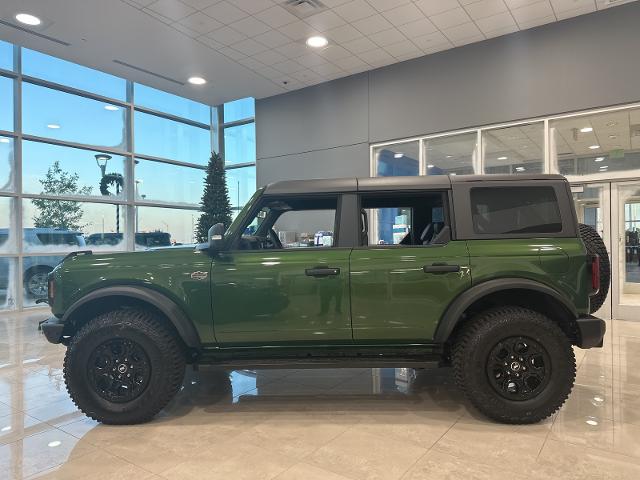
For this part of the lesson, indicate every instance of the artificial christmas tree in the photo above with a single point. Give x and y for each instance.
(215, 199)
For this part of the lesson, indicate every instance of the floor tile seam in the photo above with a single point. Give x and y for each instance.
(63, 462)
(431, 447)
(315, 466)
(48, 427)
(636, 459)
(109, 452)
(304, 457)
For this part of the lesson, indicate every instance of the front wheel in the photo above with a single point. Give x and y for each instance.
(514, 365)
(123, 367)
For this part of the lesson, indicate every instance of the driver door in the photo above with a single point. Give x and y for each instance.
(284, 281)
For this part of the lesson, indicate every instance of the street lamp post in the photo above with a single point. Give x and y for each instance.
(101, 160)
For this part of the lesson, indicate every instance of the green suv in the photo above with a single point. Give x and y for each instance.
(490, 275)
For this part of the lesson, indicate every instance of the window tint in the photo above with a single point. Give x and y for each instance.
(404, 220)
(292, 223)
(506, 210)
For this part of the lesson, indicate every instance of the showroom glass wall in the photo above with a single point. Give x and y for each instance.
(598, 151)
(92, 161)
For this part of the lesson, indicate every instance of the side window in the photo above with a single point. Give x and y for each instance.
(292, 222)
(505, 210)
(415, 219)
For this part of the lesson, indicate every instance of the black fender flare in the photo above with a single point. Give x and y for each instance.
(455, 310)
(168, 307)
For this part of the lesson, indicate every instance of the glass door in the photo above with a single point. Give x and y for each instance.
(626, 278)
(593, 206)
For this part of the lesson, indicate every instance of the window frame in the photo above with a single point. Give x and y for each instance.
(464, 216)
(447, 200)
(231, 244)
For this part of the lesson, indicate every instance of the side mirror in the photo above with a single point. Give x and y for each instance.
(216, 235)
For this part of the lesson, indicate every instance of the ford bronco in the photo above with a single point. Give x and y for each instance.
(492, 276)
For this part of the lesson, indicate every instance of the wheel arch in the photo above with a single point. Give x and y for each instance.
(107, 298)
(508, 291)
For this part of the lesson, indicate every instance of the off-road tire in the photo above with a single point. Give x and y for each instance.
(482, 333)
(162, 348)
(595, 246)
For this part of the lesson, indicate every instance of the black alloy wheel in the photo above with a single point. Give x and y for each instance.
(119, 370)
(518, 368)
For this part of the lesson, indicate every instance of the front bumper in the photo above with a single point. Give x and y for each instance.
(52, 328)
(591, 331)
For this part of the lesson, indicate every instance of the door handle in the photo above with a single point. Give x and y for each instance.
(322, 271)
(440, 268)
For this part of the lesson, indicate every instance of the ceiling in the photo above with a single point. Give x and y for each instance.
(257, 47)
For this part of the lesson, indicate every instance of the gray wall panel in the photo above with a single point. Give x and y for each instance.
(325, 116)
(581, 63)
(351, 161)
(573, 65)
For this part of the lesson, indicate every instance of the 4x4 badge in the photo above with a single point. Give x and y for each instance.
(199, 275)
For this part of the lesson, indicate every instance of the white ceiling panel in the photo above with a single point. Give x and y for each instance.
(257, 47)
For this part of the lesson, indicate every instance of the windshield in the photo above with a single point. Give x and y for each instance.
(243, 213)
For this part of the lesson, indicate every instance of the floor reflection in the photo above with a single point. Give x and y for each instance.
(324, 424)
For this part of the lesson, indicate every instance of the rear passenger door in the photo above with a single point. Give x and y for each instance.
(407, 269)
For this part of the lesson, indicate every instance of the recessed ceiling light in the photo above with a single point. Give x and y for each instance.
(599, 159)
(613, 136)
(594, 147)
(53, 126)
(111, 108)
(197, 80)
(604, 167)
(453, 174)
(429, 166)
(28, 19)
(449, 156)
(502, 158)
(612, 124)
(520, 169)
(586, 129)
(591, 421)
(55, 443)
(4, 140)
(317, 42)
(398, 155)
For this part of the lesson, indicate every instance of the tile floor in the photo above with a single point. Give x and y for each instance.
(317, 424)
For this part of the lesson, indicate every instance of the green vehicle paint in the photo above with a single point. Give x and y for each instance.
(381, 295)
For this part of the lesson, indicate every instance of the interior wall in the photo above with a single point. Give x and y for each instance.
(576, 64)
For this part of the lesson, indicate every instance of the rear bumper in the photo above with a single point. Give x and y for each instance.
(591, 331)
(52, 329)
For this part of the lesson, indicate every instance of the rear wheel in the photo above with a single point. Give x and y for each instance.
(595, 246)
(514, 365)
(123, 367)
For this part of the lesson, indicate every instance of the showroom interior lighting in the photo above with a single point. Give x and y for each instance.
(197, 81)
(28, 19)
(594, 147)
(586, 129)
(317, 42)
(398, 155)
(503, 158)
(53, 126)
(520, 169)
(111, 108)
(4, 140)
(429, 166)
(599, 159)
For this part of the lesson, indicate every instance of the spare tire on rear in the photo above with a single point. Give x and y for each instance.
(595, 246)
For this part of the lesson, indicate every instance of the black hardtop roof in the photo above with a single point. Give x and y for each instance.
(377, 184)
